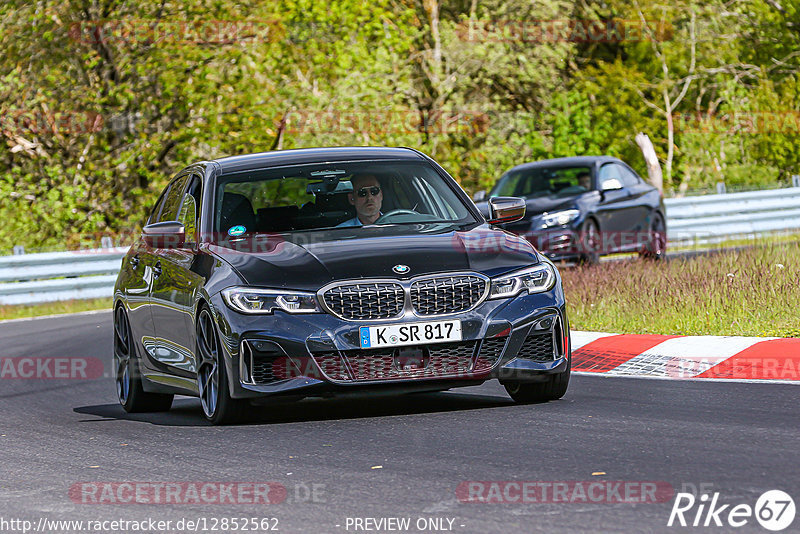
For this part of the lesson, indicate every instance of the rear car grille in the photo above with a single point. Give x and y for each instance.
(440, 360)
(491, 349)
(446, 294)
(365, 301)
(537, 347)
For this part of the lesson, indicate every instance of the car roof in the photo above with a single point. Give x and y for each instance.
(567, 162)
(299, 156)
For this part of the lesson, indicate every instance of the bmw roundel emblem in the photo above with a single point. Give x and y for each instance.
(401, 269)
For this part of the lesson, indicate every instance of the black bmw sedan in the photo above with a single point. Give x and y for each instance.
(581, 207)
(314, 272)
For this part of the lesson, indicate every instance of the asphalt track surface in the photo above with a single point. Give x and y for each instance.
(737, 439)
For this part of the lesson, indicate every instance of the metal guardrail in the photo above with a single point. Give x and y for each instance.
(36, 278)
(715, 218)
(52, 276)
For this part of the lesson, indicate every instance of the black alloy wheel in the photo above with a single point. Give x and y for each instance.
(212, 378)
(130, 392)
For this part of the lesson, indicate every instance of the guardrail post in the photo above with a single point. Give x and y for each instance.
(796, 180)
(106, 242)
(18, 250)
(721, 189)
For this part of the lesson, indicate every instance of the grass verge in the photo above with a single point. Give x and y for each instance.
(751, 292)
(54, 308)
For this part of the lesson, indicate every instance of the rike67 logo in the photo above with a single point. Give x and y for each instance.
(774, 510)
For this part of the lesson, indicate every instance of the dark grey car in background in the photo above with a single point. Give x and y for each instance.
(579, 208)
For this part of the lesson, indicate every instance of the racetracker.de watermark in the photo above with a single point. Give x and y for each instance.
(564, 30)
(785, 122)
(50, 122)
(142, 32)
(379, 121)
(572, 242)
(569, 491)
(50, 368)
(746, 368)
(199, 492)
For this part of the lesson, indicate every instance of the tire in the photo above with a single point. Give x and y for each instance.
(128, 379)
(212, 377)
(589, 242)
(656, 246)
(554, 388)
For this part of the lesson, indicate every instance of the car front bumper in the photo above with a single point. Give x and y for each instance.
(559, 243)
(524, 338)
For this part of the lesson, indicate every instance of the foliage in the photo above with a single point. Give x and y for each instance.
(102, 101)
(752, 292)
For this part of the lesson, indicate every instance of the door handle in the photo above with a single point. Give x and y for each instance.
(157, 269)
(134, 261)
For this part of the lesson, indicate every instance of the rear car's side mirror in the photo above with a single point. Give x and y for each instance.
(612, 184)
(506, 209)
(479, 196)
(167, 234)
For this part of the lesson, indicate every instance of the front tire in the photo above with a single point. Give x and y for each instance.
(128, 379)
(553, 389)
(656, 246)
(212, 378)
(590, 243)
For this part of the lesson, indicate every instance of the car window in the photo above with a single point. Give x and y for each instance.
(507, 185)
(610, 176)
(172, 201)
(190, 208)
(547, 182)
(610, 171)
(159, 205)
(318, 196)
(629, 178)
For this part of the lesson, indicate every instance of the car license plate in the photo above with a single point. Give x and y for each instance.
(397, 335)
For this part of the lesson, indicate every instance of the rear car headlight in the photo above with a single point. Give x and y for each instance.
(559, 218)
(535, 279)
(252, 300)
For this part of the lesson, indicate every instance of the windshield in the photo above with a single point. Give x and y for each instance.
(544, 182)
(321, 196)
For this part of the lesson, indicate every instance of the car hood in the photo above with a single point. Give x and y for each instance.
(309, 260)
(537, 206)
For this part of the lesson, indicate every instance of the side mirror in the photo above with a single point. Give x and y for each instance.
(612, 184)
(479, 196)
(505, 209)
(167, 234)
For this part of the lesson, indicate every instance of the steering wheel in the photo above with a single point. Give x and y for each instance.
(386, 216)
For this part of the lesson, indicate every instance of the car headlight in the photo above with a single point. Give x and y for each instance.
(252, 300)
(533, 279)
(559, 218)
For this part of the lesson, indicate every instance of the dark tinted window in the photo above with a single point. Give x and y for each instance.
(158, 206)
(190, 208)
(507, 185)
(318, 196)
(544, 182)
(629, 178)
(172, 202)
(609, 172)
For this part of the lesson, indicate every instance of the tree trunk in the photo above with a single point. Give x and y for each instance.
(653, 166)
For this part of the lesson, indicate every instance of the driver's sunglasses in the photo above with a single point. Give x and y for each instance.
(374, 191)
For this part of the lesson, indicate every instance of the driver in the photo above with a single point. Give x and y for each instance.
(367, 197)
(585, 180)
